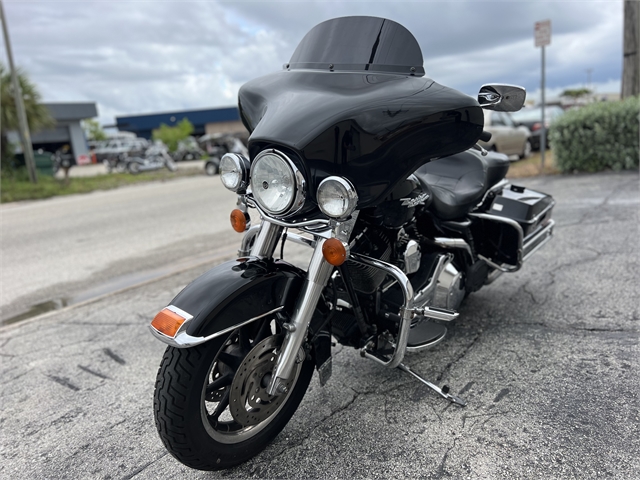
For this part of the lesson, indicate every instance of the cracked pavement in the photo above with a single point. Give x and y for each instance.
(547, 359)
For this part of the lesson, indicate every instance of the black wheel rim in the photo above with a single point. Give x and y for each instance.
(215, 410)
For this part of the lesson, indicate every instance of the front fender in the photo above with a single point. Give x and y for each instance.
(229, 295)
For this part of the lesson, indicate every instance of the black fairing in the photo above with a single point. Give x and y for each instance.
(236, 291)
(358, 120)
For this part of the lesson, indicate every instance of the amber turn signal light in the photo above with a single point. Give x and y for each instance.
(334, 252)
(239, 220)
(167, 322)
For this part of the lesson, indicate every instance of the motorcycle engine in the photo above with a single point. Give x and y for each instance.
(372, 242)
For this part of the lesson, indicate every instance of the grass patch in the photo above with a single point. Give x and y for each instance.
(15, 185)
(531, 166)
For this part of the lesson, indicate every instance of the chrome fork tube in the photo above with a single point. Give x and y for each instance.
(266, 240)
(317, 277)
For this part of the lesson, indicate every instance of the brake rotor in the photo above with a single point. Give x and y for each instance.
(249, 401)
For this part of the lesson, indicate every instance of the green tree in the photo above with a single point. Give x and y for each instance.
(576, 92)
(38, 116)
(170, 136)
(93, 130)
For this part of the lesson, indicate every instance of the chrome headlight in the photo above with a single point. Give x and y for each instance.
(234, 172)
(277, 185)
(337, 198)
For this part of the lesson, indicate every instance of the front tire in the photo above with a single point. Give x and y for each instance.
(210, 168)
(191, 381)
(133, 167)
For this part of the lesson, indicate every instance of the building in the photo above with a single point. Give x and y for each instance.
(206, 121)
(67, 131)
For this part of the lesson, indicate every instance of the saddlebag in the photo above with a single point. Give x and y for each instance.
(515, 225)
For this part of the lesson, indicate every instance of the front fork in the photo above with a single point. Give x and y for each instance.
(318, 275)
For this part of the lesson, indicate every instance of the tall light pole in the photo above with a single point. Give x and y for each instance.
(23, 126)
(542, 36)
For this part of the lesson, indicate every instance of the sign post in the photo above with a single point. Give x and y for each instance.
(542, 33)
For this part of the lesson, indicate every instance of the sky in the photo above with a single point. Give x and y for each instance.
(134, 57)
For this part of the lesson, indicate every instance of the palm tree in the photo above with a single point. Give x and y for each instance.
(38, 116)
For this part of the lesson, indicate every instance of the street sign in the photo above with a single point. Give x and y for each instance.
(542, 32)
(83, 160)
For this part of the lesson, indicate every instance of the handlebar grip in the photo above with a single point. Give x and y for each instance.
(485, 136)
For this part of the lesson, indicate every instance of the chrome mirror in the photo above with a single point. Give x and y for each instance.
(502, 98)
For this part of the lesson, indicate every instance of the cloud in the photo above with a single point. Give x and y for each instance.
(135, 57)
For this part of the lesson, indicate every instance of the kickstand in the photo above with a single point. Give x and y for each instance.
(443, 392)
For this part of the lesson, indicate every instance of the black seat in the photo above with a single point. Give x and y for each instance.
(497, 166)
(457, 183)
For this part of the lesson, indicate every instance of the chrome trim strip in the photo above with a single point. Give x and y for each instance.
(406, 311)
(182, 313)
(184, 340)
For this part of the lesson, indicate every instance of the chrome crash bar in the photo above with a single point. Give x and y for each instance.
(406, 311)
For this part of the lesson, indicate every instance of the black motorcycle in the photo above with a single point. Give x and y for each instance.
(378, 169)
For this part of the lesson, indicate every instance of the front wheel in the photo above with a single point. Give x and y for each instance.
(133, 167)
(210, 168)
(211, 407)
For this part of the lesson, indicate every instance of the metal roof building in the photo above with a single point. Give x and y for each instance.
(211, 120)
(67, 130)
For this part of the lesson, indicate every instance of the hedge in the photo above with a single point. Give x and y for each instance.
(596, 137)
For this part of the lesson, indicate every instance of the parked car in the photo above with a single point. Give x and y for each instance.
(118, 147)
(506, 136)
(532, 119)
(212, 166)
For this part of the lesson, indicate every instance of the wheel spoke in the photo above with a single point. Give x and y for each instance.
(220, 382)
(222, 405)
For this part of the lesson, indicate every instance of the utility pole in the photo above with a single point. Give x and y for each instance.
(589, 70)
(631, 45)
(542, 36)
(23, 129)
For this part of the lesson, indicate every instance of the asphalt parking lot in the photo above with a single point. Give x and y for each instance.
(547, 359)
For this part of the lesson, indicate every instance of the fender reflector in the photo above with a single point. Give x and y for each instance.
(239, 220)
(334, 252)
(167, 322)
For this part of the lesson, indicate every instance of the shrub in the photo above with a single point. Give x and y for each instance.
(598, 136)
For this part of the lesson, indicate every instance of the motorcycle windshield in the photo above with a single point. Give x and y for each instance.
(359, 44)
